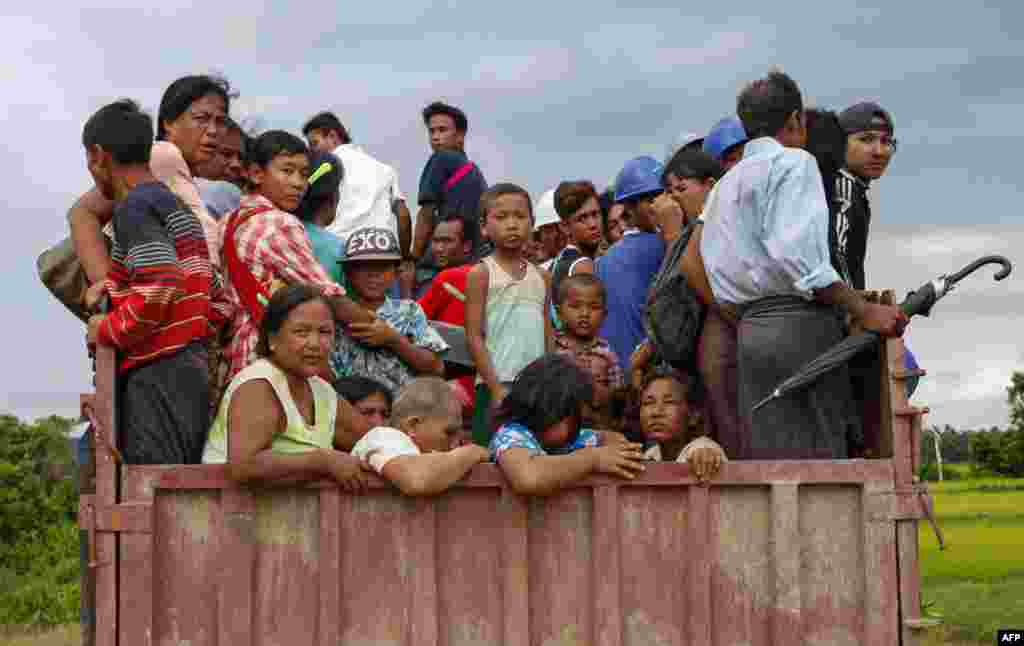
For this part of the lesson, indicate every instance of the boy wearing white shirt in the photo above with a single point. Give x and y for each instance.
(418, 455)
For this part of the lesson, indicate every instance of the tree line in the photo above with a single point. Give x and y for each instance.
(994, 450)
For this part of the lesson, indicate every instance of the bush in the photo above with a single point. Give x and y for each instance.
(38, 536)
(44, 587)
(999, 452)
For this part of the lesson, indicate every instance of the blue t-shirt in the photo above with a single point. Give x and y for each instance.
(517, 436)
(219, 198)
(327, 249)
(462, 197)
(627, 271)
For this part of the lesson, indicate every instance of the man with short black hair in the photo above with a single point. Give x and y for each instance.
(160, 283)
(445, 298)
(221, 178)
(450, 183)
(870, 145)
(370, 196)
(765, 248)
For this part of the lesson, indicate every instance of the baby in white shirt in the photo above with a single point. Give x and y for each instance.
(418, 455)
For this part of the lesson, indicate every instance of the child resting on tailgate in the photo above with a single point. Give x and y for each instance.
(665, 402)
(580, 300)
(369, 397)
(539, 442)
(417, 454)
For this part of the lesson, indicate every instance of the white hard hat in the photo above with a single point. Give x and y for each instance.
(684, 139)
(544, 211)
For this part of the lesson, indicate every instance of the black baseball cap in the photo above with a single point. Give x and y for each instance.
(865, 116)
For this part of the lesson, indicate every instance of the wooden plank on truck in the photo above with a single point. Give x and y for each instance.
(106, 564)
(136, 571)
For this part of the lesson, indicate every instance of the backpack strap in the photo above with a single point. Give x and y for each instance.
(460, 172)
(251, 292)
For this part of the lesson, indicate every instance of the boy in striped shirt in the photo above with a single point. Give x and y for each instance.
(159, 284)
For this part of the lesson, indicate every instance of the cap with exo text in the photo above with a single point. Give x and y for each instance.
(372, 243)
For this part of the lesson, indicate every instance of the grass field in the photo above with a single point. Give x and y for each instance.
(60, 636)
(977, 583)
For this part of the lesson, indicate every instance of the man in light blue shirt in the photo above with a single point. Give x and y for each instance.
(765, 248)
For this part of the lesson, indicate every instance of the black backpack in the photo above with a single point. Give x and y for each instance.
(674, 316)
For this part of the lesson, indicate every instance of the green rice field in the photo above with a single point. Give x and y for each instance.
(976, 584)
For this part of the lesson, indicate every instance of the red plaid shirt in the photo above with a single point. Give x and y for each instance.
(275, 247)
(592, 357)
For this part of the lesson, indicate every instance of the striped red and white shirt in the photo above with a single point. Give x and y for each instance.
(275, 247)
(160, 281)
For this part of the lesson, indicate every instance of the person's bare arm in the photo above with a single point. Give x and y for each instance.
(582, 266)
(887, 320)
(346, 310)
(254, 417)
(421, 360)
(380, 334)
(477, 282)
(544, 475)
(86, 218)
(611, 438)
(549, 330)
(432, 473)
(290, 256)
(401, 212)
(424, 230)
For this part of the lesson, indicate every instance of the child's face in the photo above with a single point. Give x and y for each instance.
(664, 413)
(583, 311)
(552, 239)
(689, 193)
(435, 433)
(585, 226)
(508, 222)
(375, 409)
(644, 214)
(283, 181)
(371, 278)
(533, 250)
(559, 434)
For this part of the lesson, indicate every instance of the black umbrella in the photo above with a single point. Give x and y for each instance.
(917, 303)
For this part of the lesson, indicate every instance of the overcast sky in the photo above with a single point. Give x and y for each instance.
(553, 91)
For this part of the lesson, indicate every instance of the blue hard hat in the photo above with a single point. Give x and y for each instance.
(727, 133)
(640, 176)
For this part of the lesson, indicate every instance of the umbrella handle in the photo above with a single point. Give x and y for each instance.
(919, 302)
(953, 279)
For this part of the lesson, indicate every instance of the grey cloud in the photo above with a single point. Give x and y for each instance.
(552, 92)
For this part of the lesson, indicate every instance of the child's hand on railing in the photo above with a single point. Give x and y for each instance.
(621, 460)
(704, 457)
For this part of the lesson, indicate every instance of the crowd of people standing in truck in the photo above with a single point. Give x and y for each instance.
(275, 306)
